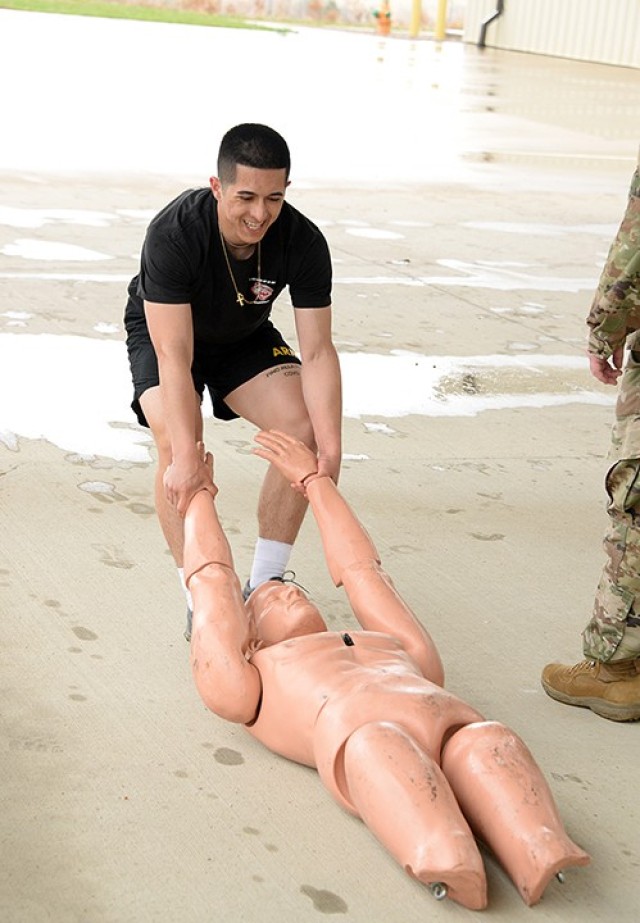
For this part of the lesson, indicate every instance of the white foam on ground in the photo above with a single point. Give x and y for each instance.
(75, 392)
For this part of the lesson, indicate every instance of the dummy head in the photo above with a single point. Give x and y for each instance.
(281, 611)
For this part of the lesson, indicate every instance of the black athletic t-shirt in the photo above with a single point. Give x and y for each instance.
(183, 262)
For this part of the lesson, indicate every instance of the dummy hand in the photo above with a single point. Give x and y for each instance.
(184, 478)
(608, 371)
(291, 457)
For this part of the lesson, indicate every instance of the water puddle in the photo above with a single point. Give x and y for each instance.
(75, 391)
(402, 383)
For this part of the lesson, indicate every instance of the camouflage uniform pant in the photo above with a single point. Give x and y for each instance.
(614, 629)
(618, 594)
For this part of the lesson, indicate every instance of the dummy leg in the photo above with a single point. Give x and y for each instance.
(509, 805)
(403, 797)
(227, 683)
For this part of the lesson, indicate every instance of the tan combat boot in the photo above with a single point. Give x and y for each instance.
(611, 690)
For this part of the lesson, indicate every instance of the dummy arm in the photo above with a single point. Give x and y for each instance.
(345, 541)
(227, 683)
(351, 556)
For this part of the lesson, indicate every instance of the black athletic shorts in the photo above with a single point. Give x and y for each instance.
(221, 368)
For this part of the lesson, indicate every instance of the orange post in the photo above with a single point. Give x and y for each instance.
(383, 18)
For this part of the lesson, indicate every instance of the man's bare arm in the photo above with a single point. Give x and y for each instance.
(321, 385)
(171, 331)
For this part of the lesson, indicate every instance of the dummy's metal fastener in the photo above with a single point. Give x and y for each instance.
(560, 877)
(439, 890)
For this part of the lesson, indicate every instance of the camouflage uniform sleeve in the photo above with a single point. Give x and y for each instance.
(615, 311)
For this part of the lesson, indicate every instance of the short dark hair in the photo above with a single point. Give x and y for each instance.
(252, 145)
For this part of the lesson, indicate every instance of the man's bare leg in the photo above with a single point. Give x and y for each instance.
(281, 510)
(274, 399)
(404, 798)
(509, 805)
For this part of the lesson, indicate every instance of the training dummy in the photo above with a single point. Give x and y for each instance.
(423, 770)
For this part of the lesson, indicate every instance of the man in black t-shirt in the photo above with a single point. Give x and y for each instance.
(213, 262)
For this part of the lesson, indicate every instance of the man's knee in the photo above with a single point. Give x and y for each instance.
(295, 421)
(303, 430)
(153, 408)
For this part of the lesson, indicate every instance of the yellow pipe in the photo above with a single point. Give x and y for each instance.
(416, 17)
(441, 21)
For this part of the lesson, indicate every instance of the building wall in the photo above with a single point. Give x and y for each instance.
(602, 31)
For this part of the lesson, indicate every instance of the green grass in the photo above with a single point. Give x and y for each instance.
(107, 10)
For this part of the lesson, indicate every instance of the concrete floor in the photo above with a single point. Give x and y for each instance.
(473, 230)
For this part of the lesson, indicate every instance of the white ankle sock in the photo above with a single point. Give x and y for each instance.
(270, 559)
(187, 591)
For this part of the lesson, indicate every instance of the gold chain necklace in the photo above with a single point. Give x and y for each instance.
(241, 300)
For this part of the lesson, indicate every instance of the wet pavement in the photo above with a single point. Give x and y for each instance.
(469, 199)
(156, 98)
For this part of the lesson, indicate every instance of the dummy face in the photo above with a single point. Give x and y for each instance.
(249, 205)
(282, 611)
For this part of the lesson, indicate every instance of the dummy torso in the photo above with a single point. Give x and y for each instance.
(317, 689)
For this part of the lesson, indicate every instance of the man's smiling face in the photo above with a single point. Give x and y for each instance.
(250, 204)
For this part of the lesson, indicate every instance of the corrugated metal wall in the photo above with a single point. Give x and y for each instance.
(604, 31)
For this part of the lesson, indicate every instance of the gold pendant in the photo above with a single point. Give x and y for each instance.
(240, 299)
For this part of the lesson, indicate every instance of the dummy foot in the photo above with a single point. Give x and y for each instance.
(469, 889)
